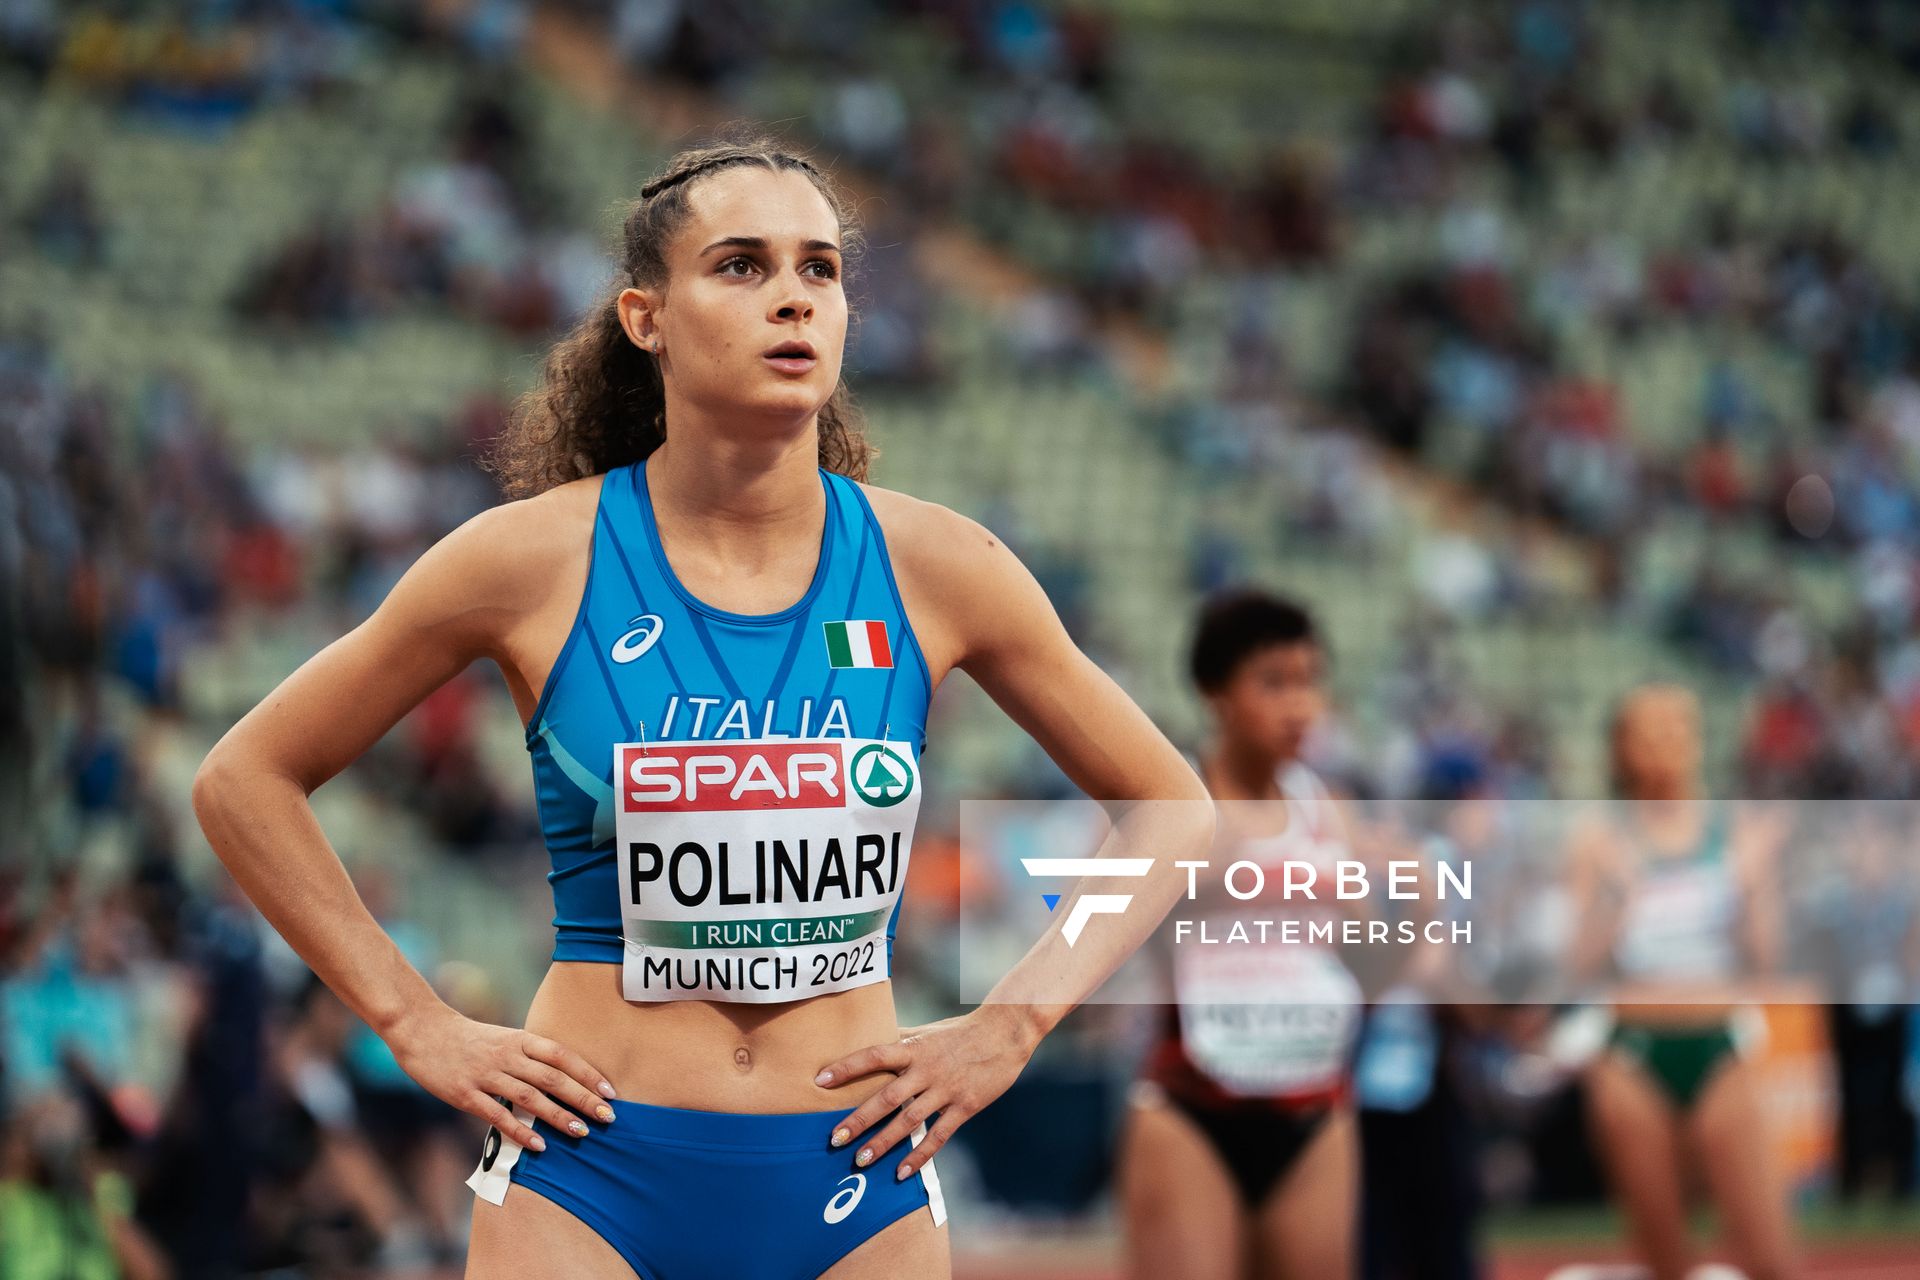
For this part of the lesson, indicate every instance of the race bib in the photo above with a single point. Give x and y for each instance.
(761, 870)
(1266, 1020)
(1681, 924)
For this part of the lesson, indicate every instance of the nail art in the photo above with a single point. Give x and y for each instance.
(577, 1128)
(605, 1114)
(840, 1137)
(865, 1156)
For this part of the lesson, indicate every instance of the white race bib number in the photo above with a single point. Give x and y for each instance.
(1266, 1019)
(761, 870)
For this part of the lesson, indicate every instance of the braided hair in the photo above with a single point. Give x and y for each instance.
(600, 402)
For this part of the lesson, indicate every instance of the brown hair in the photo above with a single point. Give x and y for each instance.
(600, 403)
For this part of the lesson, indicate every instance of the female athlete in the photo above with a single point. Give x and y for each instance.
(722, 644)
(1241, 1151)
(1678, 900)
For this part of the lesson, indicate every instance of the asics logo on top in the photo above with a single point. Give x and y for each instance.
(647, 628)
(1087, 905)
(846, 1199)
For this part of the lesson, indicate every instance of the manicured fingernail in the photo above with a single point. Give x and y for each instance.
(605, 1114)
(866, 1155)
(825, 1077)
(606, 1090)
(539, 1143)
(900, 1173)
(577, 1128)
(840, 1137)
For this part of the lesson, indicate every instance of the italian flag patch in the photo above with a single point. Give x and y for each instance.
(858, 644)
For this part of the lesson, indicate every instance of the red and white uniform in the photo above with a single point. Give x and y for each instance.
(1266, 1022)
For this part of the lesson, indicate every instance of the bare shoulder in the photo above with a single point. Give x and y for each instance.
(926, 538)
(503, 563)
(952, 572)
(1595, 845)
(530, 538)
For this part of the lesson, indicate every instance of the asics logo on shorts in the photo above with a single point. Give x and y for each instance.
(647, 627)
(846, 1199)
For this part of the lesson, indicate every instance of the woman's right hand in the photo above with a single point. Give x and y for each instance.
(473, 1065)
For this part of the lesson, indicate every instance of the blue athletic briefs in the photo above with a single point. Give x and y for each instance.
(685, 1194)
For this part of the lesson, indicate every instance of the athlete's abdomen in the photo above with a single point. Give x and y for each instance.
(713, 1055)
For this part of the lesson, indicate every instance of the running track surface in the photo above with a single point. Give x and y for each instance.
(1876, 1260)
(1824, 1261)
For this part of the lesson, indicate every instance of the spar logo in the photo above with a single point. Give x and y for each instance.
(1087, 905)
(880, 776)
(723, 776)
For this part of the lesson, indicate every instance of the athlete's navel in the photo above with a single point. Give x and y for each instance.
(743, 1058)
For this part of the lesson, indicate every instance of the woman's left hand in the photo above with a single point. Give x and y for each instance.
(954, 1067)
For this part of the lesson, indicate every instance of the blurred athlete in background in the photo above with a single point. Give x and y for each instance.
(723, 646)
(1678, 904)
(1240, 1156)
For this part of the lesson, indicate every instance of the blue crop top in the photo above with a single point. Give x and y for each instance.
(728, 799)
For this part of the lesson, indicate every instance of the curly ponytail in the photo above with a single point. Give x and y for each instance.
(600, 403)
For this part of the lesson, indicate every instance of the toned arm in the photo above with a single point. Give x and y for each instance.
(473, 594)
(251, 791)
(976, 607)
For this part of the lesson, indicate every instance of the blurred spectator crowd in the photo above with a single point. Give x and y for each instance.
(169, 1068)
(180, 1096)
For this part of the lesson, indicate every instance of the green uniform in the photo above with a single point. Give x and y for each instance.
(1681, 922)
